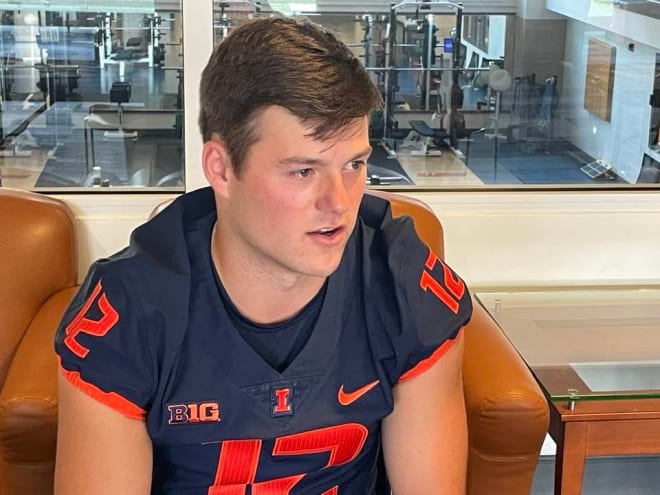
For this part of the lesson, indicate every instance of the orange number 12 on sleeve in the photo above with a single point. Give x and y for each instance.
(453, 288)
(97, 328)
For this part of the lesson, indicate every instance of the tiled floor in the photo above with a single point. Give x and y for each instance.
(446, 169)
(485, 162)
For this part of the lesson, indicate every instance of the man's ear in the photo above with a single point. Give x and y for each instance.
(216, 163)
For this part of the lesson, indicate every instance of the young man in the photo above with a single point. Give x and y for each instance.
(267, 335)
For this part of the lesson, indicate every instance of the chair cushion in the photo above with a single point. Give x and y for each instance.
(28, 402)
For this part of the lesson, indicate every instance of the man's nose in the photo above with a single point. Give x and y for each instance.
(335, 196)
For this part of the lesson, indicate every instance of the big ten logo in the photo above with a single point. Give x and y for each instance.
(194, 412)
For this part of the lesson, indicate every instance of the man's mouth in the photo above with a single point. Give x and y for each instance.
(328, 231)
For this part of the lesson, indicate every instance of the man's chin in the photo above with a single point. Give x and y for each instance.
(326, 270)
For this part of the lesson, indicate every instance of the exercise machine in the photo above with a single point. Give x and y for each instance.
(391, 71)
(430, 142)
(224, 22)
(145, 47)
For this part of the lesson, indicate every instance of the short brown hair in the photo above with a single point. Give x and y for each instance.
(292, 63)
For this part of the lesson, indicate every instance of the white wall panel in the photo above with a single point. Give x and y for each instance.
(530, 239)
(494, 239)
(104, 222)
(197, 48)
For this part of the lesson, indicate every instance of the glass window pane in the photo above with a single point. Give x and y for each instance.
(482, 99)
(91, 96)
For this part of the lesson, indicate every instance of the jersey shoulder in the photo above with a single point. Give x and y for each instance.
(411, 285)
(130, 315)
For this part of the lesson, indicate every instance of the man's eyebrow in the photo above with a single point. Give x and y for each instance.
(365, 152)
(304, 160)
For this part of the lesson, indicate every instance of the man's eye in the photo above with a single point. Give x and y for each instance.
(356, 164)
(303, 172)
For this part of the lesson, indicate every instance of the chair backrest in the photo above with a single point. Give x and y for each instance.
(427, 224)
(38, 257)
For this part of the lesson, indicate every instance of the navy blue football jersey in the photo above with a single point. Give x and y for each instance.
(147, 334)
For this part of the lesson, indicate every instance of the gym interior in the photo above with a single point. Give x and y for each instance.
(544, 175)
(474, 96)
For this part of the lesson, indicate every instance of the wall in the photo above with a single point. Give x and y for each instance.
(509, 239)
(535, 9)
(622, 141)
(494, 239)
(536, 46)
(533, 50)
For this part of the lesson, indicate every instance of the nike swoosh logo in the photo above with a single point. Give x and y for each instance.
(347, 398)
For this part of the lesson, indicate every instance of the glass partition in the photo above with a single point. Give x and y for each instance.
(91, 95)
(498, 100)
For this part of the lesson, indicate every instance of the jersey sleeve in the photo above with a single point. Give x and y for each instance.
(433, 302)
(104, 344)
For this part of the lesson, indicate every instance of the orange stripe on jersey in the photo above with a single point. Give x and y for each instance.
(425, 364)
(111, 399)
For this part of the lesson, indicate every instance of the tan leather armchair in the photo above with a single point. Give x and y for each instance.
(507, 413)
(38, 273)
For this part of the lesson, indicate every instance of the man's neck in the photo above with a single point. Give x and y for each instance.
(260, 297)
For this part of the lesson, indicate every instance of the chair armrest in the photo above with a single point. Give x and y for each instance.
(507, 412)
(28, 400)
